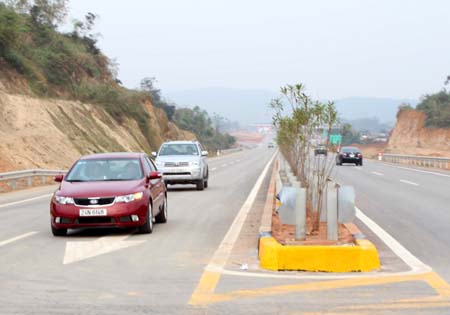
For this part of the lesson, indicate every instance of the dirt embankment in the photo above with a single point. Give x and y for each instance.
(52, 133)
(410, 136)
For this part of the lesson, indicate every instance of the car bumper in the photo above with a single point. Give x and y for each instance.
(351, 160)
(118, 215)
(181, 175)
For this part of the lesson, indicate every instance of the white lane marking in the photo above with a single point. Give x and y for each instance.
(417, 170)
(237, 161)
(214, 168)
(408, 182)
(359, 168)
(25, 200)
(379, 174)
(412, 261)
(222, 253)
(76, 251)
(223, 165)
(8, 241)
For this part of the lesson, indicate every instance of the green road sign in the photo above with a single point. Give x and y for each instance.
(335, 139)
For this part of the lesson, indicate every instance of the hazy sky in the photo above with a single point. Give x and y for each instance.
(338, 48)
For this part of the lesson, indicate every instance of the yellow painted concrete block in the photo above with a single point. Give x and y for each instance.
(361, 257)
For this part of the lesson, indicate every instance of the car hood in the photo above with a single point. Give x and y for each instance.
(100, 189)
(177, 158)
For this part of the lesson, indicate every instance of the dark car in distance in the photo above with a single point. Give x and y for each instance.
(122, 190)
(349, 155)
(320, 149)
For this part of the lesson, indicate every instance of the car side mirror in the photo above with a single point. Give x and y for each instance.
(154, 154)
(154, 175)
(204, 153)
(58, 178)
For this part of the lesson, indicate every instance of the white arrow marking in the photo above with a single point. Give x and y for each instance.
(77, 251)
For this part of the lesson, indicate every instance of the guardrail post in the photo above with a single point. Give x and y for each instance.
(332, 215)
(43, 179)
(30, 181)
(13, 184)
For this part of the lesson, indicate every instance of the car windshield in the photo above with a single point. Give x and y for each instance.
(349, 150)
(179, 149)
(105, 170)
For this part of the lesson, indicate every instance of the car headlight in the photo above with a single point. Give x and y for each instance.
(64, 200)
(130, 197)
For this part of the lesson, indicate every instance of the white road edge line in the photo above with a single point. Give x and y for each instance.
(379, 174)
(8, 241)
(408, 182)
(25, 200)
(417, 170)
(222, 253)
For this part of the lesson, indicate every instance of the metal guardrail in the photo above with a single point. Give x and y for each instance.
(12, 177)
(425, 161)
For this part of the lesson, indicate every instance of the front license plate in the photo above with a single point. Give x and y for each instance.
(352, 155)
(93, 212)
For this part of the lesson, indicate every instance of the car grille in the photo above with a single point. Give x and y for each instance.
(94, 220)
(176, 164)
(171, 173)
(89, 202)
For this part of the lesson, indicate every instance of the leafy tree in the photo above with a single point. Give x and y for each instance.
(349, 135)
(437, 108)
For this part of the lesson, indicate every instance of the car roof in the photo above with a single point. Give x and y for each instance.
(181, 142)
(113, 155)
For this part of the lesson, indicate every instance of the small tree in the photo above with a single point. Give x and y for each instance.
(295, 134)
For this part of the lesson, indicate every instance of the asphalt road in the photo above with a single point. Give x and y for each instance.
(118, 272)
(411, 204)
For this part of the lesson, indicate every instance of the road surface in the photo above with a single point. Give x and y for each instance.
(119, 272)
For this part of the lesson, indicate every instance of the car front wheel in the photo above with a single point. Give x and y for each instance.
(147, 228)
(162, 215)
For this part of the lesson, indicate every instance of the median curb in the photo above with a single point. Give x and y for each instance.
(360, 257)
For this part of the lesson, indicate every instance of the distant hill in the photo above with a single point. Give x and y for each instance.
(245, 106)
(384, 109)
(252, 105)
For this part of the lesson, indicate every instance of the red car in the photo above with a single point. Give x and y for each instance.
(109, 190)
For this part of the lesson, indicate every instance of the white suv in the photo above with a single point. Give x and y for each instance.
(183, 162)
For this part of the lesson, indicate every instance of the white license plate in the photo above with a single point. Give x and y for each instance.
(93, 212)
(352, 155)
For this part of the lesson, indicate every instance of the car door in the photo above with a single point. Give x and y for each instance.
(156, 185)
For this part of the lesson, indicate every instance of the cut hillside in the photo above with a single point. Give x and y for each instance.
(53, 133)
(411, 136)
(60, 96)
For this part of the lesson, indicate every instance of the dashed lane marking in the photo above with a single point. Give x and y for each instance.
(379, 174)
(17, 238)
(25, 200)
(214, 168)
(408, 182)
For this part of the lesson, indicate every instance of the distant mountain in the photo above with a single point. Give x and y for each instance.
(385, 109)
(244, 106)
(252, 105)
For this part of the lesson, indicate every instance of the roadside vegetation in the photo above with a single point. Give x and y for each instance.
(436, 107)
(70, 65)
